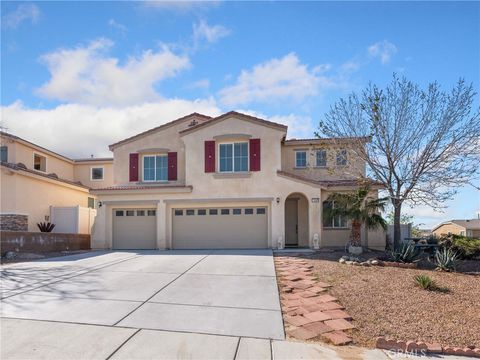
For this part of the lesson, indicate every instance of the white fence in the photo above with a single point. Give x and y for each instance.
(72, 219)
(405, 232)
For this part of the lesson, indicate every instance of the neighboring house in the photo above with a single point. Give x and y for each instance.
(231, 181)
(33, 179)
(470, 228)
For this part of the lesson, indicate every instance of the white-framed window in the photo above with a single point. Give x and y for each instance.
(96, 173)
(338, 221)
(233, 157)
(39, 162)
(342, 157)
(300, 158)
(155, 167)
(321, 158)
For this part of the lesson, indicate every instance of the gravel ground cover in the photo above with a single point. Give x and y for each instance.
(385, 301)
(26, 257)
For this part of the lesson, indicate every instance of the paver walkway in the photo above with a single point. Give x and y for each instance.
(308, 312)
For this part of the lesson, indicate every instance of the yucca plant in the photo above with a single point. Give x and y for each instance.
(45, 227)
(407, 253)
(446, 259)
(425, 282)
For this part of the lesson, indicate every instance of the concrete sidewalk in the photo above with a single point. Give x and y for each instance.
(32, 339)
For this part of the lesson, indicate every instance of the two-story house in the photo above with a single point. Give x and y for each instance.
(33, 179)
(231, 181)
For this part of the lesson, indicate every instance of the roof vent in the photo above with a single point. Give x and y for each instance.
(193, 123)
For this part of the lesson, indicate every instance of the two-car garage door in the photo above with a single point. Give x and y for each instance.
(193, 228)
(221, 228)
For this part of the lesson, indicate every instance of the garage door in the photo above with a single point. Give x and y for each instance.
(220, 228)
(134, 229)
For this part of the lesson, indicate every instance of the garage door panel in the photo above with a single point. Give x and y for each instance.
(220, 228)
(134, 228)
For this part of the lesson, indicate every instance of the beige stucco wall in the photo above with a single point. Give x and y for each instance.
(354, 168)
(449, 228)
(168, 139)
(82, 173)
(21, 153)
(31, 195)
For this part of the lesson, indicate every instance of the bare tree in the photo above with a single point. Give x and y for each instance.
(424, 143)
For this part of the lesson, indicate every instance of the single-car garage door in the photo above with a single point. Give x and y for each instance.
(220, 228)
(134, 229)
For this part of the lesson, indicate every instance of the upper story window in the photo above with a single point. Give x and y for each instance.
(342, 157)
(96, 173)
(39, 162)
(300, 159)
(321, 158)
(233, 157)
(155, 168)
(3, 153)
(332, 221)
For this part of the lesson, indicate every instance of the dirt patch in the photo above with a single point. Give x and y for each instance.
(26, 257)
(384, 301)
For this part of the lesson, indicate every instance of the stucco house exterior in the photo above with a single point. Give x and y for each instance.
(231, 181)
(469, 228)
(33, 179)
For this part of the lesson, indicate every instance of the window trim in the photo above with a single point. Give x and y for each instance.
(46, 162)
(296, 159)
(155, 167)
(233, 157)
(97, 167)
(316, 158)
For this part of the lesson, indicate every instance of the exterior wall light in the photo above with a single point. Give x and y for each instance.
(278, 200)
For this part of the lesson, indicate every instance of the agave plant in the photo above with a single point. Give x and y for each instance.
(446, 259)
(407, 253)
(425, 282)
(45, 227)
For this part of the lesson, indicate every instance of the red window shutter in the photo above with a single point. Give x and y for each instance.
(133, 167)
(254, 154)
(172, 166)
(209, 156)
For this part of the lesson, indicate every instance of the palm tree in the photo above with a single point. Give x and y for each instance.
(360, 209)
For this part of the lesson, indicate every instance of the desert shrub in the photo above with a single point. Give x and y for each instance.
(465, 247)
(407, 253)
(446, 259)
(425, 282)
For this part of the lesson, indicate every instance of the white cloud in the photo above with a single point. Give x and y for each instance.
(116, 25)
(199, 84)
(204, 32)
(86, 74)
(383, 50)
(276, 79)
(23, 12)
(77, 130)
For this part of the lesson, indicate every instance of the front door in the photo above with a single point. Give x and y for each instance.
(291, 222)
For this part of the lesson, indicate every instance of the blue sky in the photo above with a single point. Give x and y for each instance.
(97, 72)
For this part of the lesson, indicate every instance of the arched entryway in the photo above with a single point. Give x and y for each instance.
(296, 220)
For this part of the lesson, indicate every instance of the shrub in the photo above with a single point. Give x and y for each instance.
(446, 259)
(425, 282)
(464, 246)
(407, 253)
(45, 227)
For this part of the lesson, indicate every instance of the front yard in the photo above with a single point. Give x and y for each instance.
(384, 301)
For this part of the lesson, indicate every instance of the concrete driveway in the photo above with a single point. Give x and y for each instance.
(209, 292)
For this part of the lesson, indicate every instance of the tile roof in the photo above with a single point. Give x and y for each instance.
(330, 183)
(142, 187)
(18, 167)
(238, 114)
(199, 116)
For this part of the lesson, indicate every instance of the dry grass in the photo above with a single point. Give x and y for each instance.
(384, 301)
